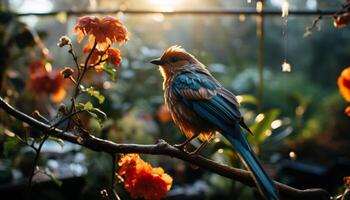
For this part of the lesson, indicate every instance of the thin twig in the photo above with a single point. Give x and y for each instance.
(313, 26)
(73, 80)
(78, 82)
(98, 63)
(163, 148)
(113, 195)
(37, 114)
(75, 58)
(315, 23)
(100, 60)
(36, 159)
(345, 8)
(86, 68)
(65, 118)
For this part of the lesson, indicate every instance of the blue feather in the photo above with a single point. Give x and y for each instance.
(241, 145)
(225, 116)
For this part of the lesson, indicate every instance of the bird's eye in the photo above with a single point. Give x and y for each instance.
(173, 59)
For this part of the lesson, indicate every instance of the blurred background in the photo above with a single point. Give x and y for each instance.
(301, 131)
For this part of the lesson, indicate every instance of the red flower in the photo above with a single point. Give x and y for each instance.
(341, 20)
(143, 181)
(105, 31)
(43, 81)
(114, 56)
(344, 84)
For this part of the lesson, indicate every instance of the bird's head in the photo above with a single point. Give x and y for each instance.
(173, 60)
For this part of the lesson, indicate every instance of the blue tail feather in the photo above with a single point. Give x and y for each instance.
(239, 141)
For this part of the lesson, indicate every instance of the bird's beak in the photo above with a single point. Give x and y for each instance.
(157, 61)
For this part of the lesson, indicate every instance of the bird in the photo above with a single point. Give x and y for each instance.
(200, 106)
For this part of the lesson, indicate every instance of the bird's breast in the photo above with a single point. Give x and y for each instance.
(188, 121)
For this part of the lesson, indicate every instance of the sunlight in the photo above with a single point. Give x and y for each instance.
(259, 7)
(35, 6)
(166, 5)
(259, 118)
(276, 124)
(285, 8)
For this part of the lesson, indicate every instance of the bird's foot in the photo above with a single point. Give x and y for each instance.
(181, 147)
(193, 153)
(199, 149)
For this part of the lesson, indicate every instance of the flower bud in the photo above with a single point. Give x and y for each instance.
(64, 40)
(104, 193)
(67, 72)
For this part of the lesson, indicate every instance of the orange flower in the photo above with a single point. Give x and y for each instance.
(163, 114)
(347, 181)
(142, 180)
(42, 81)
(344, 84)
(105, 31)
(95, 57)
(114, 56)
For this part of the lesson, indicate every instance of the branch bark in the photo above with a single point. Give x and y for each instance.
(163, 148)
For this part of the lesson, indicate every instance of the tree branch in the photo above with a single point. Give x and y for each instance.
(163, 148)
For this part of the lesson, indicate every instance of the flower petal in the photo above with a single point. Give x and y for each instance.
(143, 181)
(344, 84)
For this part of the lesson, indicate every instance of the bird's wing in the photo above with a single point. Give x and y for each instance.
(227, 95)
(205, 96)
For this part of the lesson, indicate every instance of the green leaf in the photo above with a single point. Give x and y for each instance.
(110, 70)
(100, 113)
(6, 132)
(91, 91)
(84, 106)
(261, 127)
(57, 140)
(88, 106)
(93, 112)
(247, 99)
(11, 145)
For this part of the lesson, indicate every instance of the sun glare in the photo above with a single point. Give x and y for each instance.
(34, 6)
(166, 5)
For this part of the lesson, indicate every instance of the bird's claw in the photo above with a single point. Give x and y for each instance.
(193, 153)
(180, 147)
